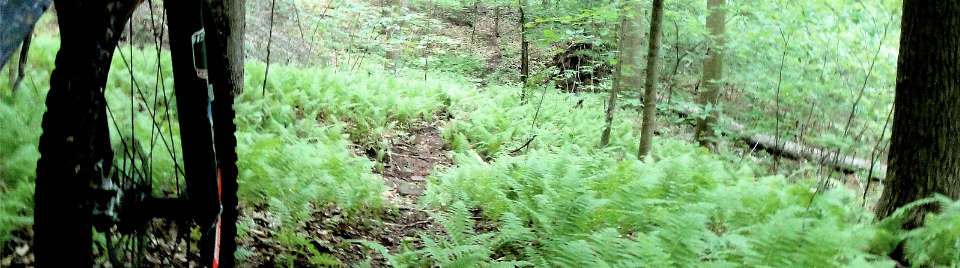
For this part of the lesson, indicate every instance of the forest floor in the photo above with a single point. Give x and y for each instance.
(412, 156)
(414, 153)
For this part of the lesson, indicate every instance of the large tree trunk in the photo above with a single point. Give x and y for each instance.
(630, 44)
(712, 73)
(925, 145)
(230, 17)
(650, 94)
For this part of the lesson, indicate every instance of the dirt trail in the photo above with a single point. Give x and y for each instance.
(411, 157)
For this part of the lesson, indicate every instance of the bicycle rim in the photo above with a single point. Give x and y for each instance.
(129, 163)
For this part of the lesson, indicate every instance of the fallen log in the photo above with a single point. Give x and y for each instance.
(792, 149)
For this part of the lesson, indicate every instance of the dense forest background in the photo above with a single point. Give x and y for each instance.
(439, 133)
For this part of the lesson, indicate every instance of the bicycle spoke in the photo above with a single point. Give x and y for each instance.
(170, 149)
(133, 164)
(166, 100)
(125, 201)
(123, 142)
(158, 41)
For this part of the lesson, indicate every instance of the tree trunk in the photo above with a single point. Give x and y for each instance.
(925, 146)
(524, 53)
(22, 62)
(476, 19)
(630, 44)
(230, 17)
(496, 21)
(712, 73)
(650, 90)
(615, 87)
(633, 57)
(393, 51)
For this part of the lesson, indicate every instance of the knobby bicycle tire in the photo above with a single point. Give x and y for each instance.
(75, 147)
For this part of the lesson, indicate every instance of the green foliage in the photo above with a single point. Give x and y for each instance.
(595, 25)
(294, 146)
(935, 244)
(367, 104)
(153, 100)
(452, 5)
(20, 117)
(560, 201)
(687, 210)
(20, 129)
(820, 55)
(462, 248)
(296, 143)
(817, 54)
(321, 171)
(22, 114)
(562, 204)
(464, 64)
(493, 123)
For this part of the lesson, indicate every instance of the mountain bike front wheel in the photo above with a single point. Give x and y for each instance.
(85, 182)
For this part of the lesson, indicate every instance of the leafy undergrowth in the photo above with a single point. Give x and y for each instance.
(559, 202)
(20, 117)
(296, 149)
(495, 123)
(367, 103)
(566, 203)
(296, 146)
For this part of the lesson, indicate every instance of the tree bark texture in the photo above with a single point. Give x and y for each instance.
(627, 72)
(524, 52)
(230, 17)
(615, 87)
(632, 57)
(925, 145)
(74, 150)
(712, 72)
(650, 90)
